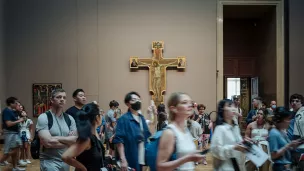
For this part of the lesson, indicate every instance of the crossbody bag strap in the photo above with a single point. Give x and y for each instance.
(298, 126)
(175, 143)
(233, 160)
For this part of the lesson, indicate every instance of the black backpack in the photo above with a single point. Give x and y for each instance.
(35, 144)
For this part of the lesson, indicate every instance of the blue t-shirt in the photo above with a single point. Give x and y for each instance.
(10, 115)
(103, 123)
(278, 140)
(290, 129)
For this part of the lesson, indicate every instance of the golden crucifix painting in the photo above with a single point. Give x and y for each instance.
(157, 69)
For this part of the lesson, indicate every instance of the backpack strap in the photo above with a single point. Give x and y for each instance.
(50, 119)
(67, 119)
(173, 155)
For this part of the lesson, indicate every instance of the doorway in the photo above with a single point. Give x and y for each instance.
(239, 56)
(244, 87)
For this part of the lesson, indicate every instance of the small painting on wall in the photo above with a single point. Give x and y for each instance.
(41, 96)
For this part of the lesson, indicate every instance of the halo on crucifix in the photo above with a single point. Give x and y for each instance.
(157, 66)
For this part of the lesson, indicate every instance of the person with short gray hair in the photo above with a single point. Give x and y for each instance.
(57, 131)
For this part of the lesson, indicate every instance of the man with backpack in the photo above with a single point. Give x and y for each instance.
(56, 130)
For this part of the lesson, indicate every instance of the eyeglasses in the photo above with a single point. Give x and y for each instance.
(295, 101)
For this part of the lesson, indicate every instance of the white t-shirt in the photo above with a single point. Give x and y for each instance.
(25, 126)
(299, 125)
(141, 145)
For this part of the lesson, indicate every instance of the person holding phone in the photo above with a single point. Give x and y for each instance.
(227, 144)
(279, 144)
(177, 138)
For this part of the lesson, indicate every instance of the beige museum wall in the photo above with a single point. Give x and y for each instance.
(296, 37)
(87, 44)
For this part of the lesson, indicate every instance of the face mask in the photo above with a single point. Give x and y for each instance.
(136, 106)
(274, 106)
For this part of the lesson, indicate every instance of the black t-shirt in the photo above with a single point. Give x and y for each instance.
(205, 121)
(72, 111)
(10, 115)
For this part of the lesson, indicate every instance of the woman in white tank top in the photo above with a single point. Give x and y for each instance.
(258, 132)
(177, 136)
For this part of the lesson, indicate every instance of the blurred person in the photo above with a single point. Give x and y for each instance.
(227, 144)
(177, 139)
(87, 154)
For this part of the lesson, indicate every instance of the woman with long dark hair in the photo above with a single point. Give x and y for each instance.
(226, 141)
(87, 154)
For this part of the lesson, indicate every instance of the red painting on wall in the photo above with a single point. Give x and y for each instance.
(41, 97)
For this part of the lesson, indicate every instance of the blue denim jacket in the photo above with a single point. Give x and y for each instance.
(251, 113)
(128, 133)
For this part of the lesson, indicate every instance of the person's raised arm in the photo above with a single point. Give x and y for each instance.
(69, 156)
(7, 118)
(277, 152)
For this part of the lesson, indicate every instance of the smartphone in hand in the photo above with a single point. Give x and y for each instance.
(204, 152)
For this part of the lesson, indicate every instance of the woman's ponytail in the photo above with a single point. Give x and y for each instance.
(84, 120)
(83, 126)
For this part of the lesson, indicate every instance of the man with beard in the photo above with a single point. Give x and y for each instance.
(79, 100)
(131, 135)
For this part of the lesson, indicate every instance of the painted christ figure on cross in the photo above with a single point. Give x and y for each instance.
(157, 70)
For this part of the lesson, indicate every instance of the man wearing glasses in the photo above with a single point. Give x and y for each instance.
(131, 135)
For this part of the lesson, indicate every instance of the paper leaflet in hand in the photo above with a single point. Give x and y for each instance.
(257, 156)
